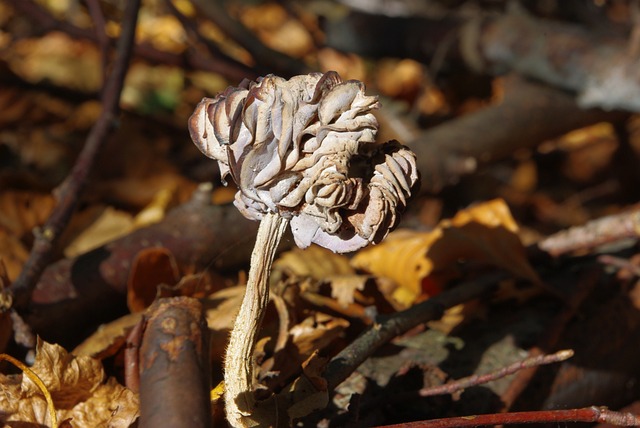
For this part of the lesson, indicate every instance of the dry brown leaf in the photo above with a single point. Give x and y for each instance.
(151, 268)
(139, 191)
(111, 405)
(486, 232)
(70, 380)
(77, 387)
(221, 309)
(314, 262)
(111, 224)
(277, 29)
(347, 64)
(316, 332)
(343, 287)
(155, 211)
(309, 391)
(21, 212)
(108, 338)
(400, 78)
(13, 253)
(58, 58)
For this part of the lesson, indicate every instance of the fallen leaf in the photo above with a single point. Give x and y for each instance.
(343, 287)
(155, 211)
(486, 232)
(21, 212)
(110, 225)
(221, 309)
(111, 405)
(59, 59)
(13, 253)
(151, 268)
(313, 262)
(316, 332)
(309, 392)
(108, 338)
(70, 380)
(78, 390)
(277, 29)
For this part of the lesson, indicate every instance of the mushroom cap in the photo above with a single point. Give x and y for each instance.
(305, 148)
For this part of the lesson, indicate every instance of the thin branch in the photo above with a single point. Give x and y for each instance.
(348, 360)
(467, 382)
(100, 25)
(69, 192)
(594, 233)
(588, 414)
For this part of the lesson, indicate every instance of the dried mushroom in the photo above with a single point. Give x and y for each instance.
(305, 149)
(302, 151)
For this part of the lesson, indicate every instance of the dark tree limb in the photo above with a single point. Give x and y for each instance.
(99, 23)
(174, 365)
(68, 194)
(529, 114)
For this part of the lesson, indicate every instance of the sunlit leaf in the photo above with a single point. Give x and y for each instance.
(486, 232)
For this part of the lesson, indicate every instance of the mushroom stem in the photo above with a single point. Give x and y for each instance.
(238, 365)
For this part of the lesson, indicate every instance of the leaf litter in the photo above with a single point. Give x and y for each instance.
(327, 300)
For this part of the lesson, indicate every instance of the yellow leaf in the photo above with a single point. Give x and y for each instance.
(486, 232)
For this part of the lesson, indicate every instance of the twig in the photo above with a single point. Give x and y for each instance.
(343, 364)
(594, 233)
(100, 24)
(620, 263)
(474, 380)
(588, 414)
(69, 191)
(174, 365)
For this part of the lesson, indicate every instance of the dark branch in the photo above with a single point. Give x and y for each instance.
(70, 190)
